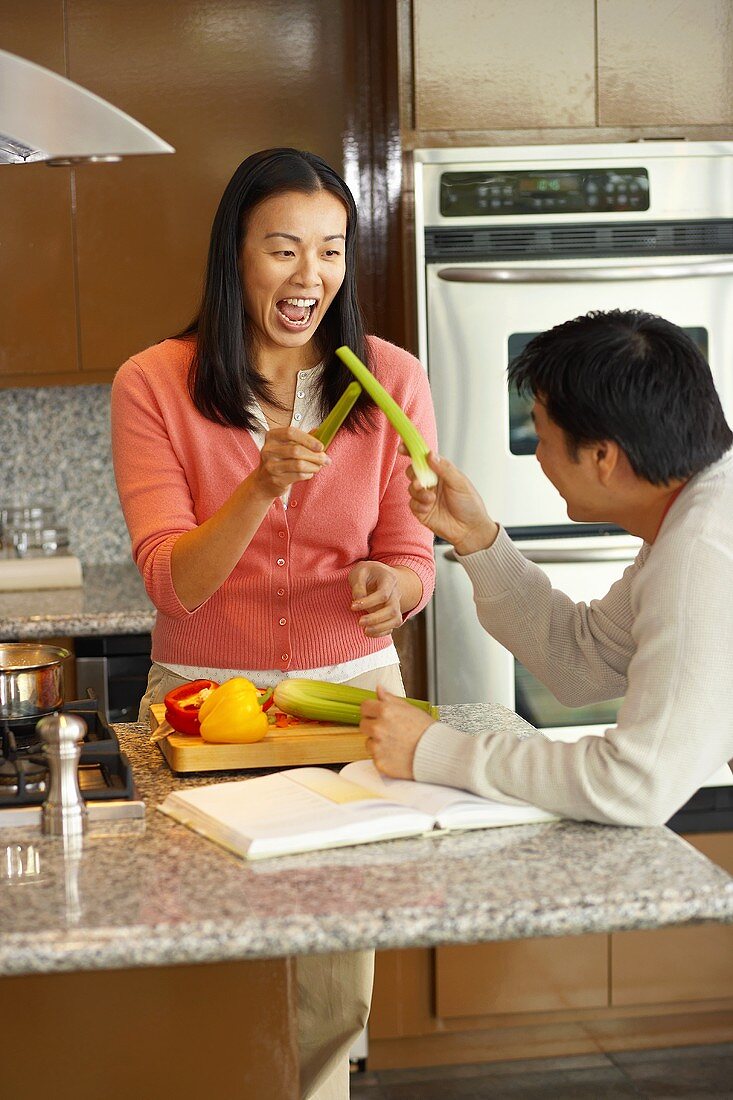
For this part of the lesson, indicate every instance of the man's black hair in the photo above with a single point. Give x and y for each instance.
(633, 378)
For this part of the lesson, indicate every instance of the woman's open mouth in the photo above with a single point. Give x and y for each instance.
(295, 313)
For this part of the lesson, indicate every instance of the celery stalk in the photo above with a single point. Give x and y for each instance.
(328, 427)
(411, 437)
(327, 702)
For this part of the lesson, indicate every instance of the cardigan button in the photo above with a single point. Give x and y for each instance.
(281, 591)
(282, 622)
(284, 656)
(282, 534)
(281, 561)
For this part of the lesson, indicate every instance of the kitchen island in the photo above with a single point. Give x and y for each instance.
(177, 947)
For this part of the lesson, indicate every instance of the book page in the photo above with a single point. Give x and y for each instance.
(297, 810)
(451, 808)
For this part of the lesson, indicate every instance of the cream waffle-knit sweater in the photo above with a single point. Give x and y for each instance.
(662, 637)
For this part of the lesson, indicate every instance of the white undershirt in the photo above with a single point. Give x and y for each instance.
(306, 416)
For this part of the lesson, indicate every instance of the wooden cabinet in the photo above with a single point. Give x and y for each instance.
(677, 964)
(100, 261)
(37, 302)
(521, 976)
(579, 70)
(570, 995)
(499, 65)
(664, 64)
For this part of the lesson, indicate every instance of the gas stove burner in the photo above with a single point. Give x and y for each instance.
(24, 727)
(23, 743)
(105, 775)
(24, 775)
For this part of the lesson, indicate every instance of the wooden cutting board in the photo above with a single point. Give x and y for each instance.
(280, 748)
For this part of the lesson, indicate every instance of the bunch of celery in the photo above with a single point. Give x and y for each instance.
(328, 427)
(325, 702)
(411, 437)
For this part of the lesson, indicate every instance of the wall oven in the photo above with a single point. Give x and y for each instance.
(509, 242)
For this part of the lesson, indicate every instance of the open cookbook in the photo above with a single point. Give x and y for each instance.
(305, 809)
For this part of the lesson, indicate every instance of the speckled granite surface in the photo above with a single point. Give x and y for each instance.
(56, 450)
(165, 895)
(112, 600)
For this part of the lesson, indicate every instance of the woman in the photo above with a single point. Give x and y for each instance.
(265, 556)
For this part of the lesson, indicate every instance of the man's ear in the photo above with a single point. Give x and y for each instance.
(606, 456)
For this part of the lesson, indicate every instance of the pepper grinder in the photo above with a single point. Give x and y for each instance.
(64, 812)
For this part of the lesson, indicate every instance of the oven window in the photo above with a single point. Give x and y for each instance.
(522, 438)
(536, 703)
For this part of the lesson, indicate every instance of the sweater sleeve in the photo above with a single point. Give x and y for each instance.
(399, 539)
(579, 651)
(154, 494)
(672, 732)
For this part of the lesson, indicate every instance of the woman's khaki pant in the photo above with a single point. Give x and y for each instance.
(334, 991)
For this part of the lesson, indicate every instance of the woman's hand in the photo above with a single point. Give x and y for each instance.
(375, 589)
(452, 509)
(393, 728)
(288, 455)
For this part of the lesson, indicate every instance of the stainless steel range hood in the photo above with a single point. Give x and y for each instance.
(45, 117)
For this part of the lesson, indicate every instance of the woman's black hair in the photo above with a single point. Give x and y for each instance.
(223, 378)
(633, 378)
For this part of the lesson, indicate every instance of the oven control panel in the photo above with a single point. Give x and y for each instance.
(556, 191)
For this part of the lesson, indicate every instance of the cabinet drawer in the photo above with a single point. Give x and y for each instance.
(538, 975)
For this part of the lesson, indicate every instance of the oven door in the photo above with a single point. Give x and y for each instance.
(466, 665)
(480, 316)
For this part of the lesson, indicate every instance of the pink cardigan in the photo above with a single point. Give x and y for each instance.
(286, 604)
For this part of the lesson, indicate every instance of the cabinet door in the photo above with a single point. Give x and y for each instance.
(497, 64)
(218, 79)
(665, 64)
(37, 303)
(677, 964)
(538, 975)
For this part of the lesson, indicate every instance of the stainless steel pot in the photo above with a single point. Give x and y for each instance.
(31, 681)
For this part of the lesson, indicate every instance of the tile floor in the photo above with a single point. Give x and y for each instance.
(680, 1073)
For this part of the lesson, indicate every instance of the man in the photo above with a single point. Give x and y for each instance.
(630, 431)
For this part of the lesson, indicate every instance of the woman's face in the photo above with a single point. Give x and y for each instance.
(292, 265)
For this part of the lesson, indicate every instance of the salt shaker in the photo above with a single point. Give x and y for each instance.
(64, 812)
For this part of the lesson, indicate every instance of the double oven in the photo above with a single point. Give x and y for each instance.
(511, 241)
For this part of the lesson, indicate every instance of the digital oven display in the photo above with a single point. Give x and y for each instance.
(591, 191)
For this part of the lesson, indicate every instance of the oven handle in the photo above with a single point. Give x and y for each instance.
(549, 556)
(583, 274)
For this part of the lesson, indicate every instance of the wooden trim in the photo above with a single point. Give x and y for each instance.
(583, 1036)
(373, 161)
(429, 139)
(75, 378)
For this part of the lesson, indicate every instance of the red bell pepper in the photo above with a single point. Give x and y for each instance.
(182, 705)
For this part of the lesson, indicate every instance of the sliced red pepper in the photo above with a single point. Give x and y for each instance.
(182, 706)
(266, 697)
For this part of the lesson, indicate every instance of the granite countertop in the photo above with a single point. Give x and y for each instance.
(112, 600)
(154, 893)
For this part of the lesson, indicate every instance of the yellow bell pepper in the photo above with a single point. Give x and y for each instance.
(231, 713)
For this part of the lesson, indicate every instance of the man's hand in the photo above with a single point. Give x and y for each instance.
(452, 509)
(375, 591)
(393, 728)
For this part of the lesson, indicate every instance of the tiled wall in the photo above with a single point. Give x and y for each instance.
(56, 450)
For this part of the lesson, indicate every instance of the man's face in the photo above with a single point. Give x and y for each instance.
(574, 476)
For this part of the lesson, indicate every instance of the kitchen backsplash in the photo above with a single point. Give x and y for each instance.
(56, 450)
